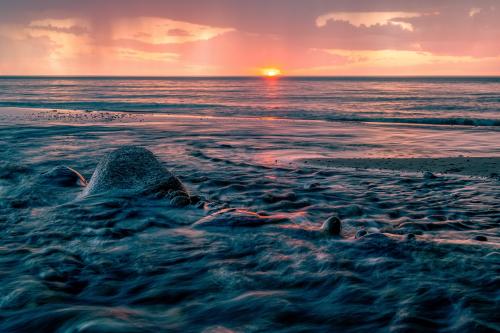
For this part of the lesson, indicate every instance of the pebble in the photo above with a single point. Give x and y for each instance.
(429, 175)
(481, 238)
(361, 233)
(180, 201)
(332, 226)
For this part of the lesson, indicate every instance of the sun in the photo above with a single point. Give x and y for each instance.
(270, 72)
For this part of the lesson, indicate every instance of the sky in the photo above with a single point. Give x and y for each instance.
(240, 37)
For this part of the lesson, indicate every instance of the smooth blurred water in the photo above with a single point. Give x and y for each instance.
(110, 263)
(467, 101)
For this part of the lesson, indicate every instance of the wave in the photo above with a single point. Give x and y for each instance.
(115, 106)
(427, 121)
(221, 110)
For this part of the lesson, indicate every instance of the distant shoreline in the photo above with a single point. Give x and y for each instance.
(312, 77)
(455, 122)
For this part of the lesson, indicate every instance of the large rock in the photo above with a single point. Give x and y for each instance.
(133, 170)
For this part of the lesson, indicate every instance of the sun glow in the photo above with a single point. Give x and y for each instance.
(270, 72)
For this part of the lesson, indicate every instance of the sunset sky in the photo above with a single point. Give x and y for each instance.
(240, 37)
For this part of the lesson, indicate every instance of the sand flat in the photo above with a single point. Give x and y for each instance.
(470, 166)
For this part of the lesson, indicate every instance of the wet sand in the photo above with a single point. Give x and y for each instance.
(469, 166)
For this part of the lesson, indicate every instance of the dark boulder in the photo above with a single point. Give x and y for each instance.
(133, 170)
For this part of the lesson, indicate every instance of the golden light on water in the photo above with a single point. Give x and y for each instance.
(270, 72)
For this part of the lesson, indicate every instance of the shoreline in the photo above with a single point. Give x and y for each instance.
(486, 166)
(461, 123)
(467, 166)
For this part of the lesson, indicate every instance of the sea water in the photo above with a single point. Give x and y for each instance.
(120, 264)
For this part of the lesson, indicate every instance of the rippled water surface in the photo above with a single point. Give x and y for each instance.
(110, 263)
(469, 101)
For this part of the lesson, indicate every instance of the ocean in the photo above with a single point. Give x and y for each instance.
(445, 100)
(415, 253)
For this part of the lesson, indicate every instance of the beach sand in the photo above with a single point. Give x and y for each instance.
(469, 166)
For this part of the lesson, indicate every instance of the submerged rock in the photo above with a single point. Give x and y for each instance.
(180, 201)
(360, 233)
(133, 169)
(332, 226)
(429, 175)
(481, 238)
(410, 236)
(232, 217)
(64, 176)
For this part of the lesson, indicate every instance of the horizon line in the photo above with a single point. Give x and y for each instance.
(244, 76)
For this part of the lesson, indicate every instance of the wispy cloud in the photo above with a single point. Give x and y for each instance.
(400, 62)
(369, 19)
(68, 25)
(158, 30)
(132, 54)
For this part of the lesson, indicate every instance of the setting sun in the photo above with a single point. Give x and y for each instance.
(271, 72)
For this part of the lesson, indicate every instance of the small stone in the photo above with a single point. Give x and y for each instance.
(332, 226)
(360, 233)
(481, 238)
(180, 201)
(195, 199)
(410, 236)
(429, 175)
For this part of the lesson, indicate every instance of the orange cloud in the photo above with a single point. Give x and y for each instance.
(157, 30)
(401, 62)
